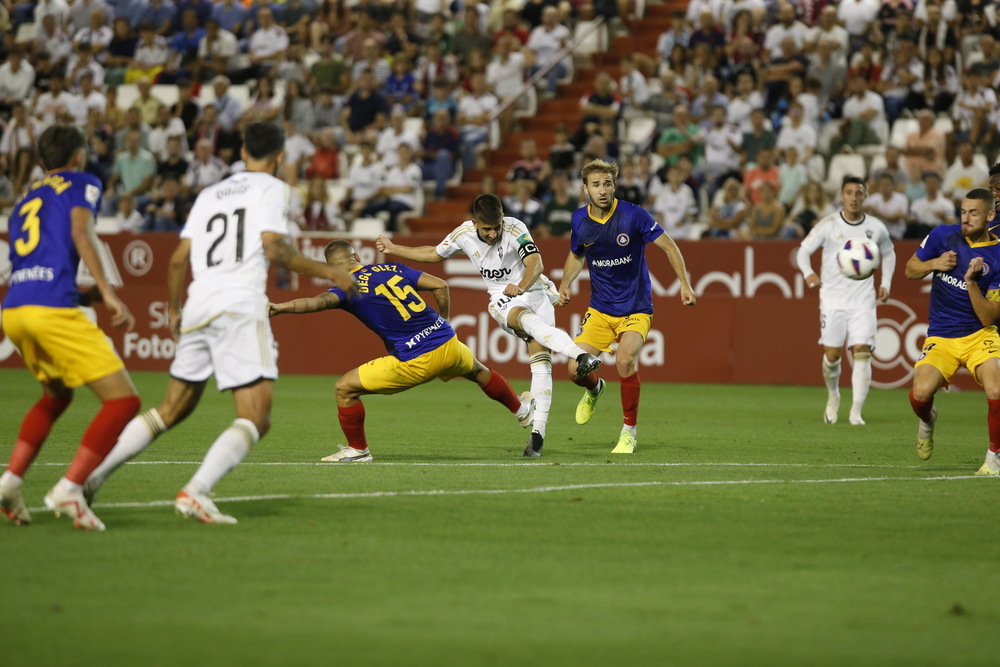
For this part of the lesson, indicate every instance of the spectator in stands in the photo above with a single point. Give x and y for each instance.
(366, 109)
(830, 71)
(758, 137)
(663, 100)
(744, 101)
(792, 177)
(828, 30)
(298, 148)
(964, 174)
(401, 39)
(79, 14)
(325, 109)
(857, 16)
(264, 105)
(319, 212)
(930, 211)
(161, 14)
(439, 152)
(512, 27)
(728, 211)
(797, 134)
(168, 212)
(778, 74)
(684, 138)
(766, 218)
(399, 191)
(86, 99)
(365, 29)
(100, 138)
(434, 65)
(16, 79)
(53, 40)
(151, 55)
(173, 166)
(329, 71)
(708, 97)
(474, 118)
(18, 145)
(133, 171)
(902, 81)
(925, 146)
(546, 41)
(940, 82)
(558, 211)
(529, 166)
(364, 179)
(208, 128)
(97, 34)
(709, 33)
(217, 52)
(675, 205)
(133, 121)
(505, 75)
(390, 138)
(764, 171)
(325, 161)
(629, 188)
(632, 87)
(373, 61)
(400, 88)
(522, 205)
(148, 104)
(228, 108)
(268, 45)
(298, 108)
(973, 106)
(295, 19)
(894, 167)
(183, 48)
(786, 27)
(441, 98)
(166, 126)
(722, 159)
(205, 169)
(562, 153)
(811, 206)
(890, 206)
(232, 16)
(57, 8)
(678, 35)
(113, 115)
(55, 105)
(864, 117)
(128, 219)
(470, 37)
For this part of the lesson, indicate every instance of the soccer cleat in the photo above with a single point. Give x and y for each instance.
(925, 436)
(626, 443)
(856, 420)
(11, 502)
(201, 507)
(535, 442)
(349, 455)
(526, 419)
(586, 364)
(991, 468)
(73, 505)
(832, 407)
(585, 408)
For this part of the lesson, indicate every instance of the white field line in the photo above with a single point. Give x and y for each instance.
(536, 489)
(527, 464)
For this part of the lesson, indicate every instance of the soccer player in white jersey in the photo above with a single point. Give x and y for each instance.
(521, 296)
(233, 230)
(847, 307)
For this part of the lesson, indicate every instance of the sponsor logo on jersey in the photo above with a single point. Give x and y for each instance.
(622, 239)
(953, 281)
(426, 332)
(617, 261)
(494, 274)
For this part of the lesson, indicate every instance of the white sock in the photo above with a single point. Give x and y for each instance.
(71, 487)
(630, 429)
(137, 435)
(831, 374)
(861, 380)
(597, 390)
(555, 339)
(541, 389)
(231, 447)
(10, 480)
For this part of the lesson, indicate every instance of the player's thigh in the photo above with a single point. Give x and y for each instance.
(597, 331)
(944, 354)
(982, 352)
(349, 387)
(832, 327)
(988, 375)
(243, 352)
(192, 362)
(927, 379)
(454, 359)
(862, 324)
(629, 347)
(386, 375)
(114, 386)
(253, 402)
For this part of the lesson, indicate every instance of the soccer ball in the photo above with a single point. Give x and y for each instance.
(859, 258)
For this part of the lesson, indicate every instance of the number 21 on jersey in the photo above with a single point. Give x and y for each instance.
(223, 219)
(399, 295)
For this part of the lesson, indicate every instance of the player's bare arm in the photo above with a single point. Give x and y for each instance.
(917, 269)
(571, 270)
(533, 269)
(281, 252)
(987, 311)
(667, 245)
(313, 304)
(425, 253)
(175, 284)
(439, 290)
(85, 240)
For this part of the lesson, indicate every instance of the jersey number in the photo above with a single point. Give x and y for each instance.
(239, 213)
(401, 294)
(31, 225)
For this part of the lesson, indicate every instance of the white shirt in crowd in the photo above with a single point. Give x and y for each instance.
(266, 43)
(84, 103)
(158, 138)
(58, 8)
(854, 107)
(410, 177)
(547, 43)
(896, 204)
(297, 148)
(16, 85)
(365, 180)
(801, 138)
(202, 174)
(472, 106)
(151, 55)
(696, 7)
(676, 209)
(933, 212)
(98, 39)
(777, 33)
(857, 14)
(718, 150)
(388, 144)
(739, 110)
(635, 87)
(506, 78)
(959, 179)
(47, 105)
(224, 46)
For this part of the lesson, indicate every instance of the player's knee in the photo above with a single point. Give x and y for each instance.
(128, 406)
(626, 367)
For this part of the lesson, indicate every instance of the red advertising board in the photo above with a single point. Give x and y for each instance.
(755, 321)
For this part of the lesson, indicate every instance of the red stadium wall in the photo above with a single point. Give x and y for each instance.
(755, 321)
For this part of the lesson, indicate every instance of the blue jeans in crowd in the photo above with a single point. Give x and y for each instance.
(470, 141)
(439, 171)
(553, 75)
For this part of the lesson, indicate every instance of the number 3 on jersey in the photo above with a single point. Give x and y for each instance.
(401, 294)
(31, 225)
(222, 218)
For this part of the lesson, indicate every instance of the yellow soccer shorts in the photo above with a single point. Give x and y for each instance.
(949, 354)
(61, 344)
(600, 330)
(389, 375)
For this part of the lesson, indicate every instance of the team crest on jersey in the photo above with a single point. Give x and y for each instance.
(622, 239)
(500, 250)
(869, 233)
(986, 268)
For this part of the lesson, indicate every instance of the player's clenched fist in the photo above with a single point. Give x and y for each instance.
(947, 261)
(975, 268)
(813, 281)
(384, 245)
(688, 297)
(564, 295)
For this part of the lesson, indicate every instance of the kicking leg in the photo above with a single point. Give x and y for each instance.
(627, 362)
(526, 322)
(594, 385)
(926, 381)
(351, 412)
(861, 380)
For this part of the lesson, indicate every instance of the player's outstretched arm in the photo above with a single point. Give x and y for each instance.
(281, 252)
(85, 239)
(917, 269)
(667, 245)
(314, 304)
(986, 310)
(571, 269)
(175, 284)
(439, 289)
(425, 253)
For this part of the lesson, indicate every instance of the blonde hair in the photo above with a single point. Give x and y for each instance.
(600, 167)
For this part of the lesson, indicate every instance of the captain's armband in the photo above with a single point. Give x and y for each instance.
(526, 249)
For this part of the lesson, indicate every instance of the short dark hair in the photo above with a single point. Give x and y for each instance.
(264, 139)
(59, 144)
(487, 208)
(336, 247)
(995, 169)
(852, 179)
(983, 195)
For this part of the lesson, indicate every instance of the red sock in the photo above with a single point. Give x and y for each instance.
(589, 382)
(921, 408)
(34, 429)
(500, 390)
(352, 422)
(630, 398)
(994, 424)
(101, 436)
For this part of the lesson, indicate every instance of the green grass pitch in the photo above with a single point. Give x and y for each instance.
(744, 531)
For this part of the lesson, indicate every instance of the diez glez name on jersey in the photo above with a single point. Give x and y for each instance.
(494, 274)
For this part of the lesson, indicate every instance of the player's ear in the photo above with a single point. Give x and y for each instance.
(244, 155)
(992, 214)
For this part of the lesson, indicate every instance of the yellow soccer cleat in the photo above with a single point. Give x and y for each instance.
(925, 436)
(626, 443)
(991, 468)
(585, 408)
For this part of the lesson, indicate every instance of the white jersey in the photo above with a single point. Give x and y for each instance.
(831, 233)
(500, 264)
(227, 253)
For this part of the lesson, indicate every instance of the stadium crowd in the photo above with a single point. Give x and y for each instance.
(740, 125)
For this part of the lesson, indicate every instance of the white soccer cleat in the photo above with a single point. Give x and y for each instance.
(73, 505)
(991, 467)
(526, 416)
(832, 408)
(856, 419)
(11, 503)
(349, 455)
(201, 507)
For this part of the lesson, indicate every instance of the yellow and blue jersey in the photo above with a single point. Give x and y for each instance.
(951, 314)
(387, 302)
(615, 249)
(42, 253)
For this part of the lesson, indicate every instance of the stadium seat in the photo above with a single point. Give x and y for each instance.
(639, 132)
(843, 165)
(168, 94)
(944, 125)
(826, 134)
(25, 33)
(128, 93)
(368, 228)
(878, 162)
(902, 129)
(594, 40)
(980, 159)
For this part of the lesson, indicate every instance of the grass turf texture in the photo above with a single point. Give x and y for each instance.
(788, 568)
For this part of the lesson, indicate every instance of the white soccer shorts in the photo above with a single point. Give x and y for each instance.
(237, 349)
(855, 327)
(537, 301)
